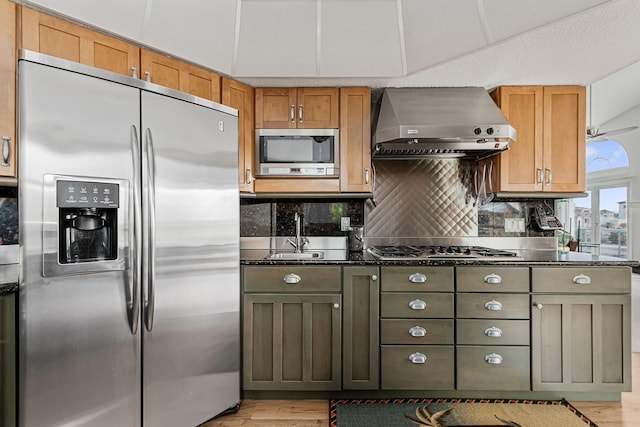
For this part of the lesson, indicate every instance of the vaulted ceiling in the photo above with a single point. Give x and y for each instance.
(382, 43)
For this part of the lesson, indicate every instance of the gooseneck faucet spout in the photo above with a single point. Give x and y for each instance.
(300, 240)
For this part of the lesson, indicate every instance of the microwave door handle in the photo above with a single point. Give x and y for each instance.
(150, 242)
(133, 305)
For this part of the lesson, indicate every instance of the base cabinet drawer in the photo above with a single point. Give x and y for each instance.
(493, 368)
(411, 367)
(416, 331)
(492, 306)
(416, 304)
(492, 332)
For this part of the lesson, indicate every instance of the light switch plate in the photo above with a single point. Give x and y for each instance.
(345, 223)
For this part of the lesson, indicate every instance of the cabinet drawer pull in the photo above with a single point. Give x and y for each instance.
(549, 176)
(417, 278)
(417, 331)
(300, 113)
(493, 359)
(493, 305)
(493, 332)
(248, 177)
(418, 358)
(418, 304)
(492, 279)
(293, 113)
(366, 176)
(5, 151)
(540, 176)
(582, 279)
(292, 279)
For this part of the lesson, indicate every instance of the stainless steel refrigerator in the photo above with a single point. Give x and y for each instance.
(129, 268)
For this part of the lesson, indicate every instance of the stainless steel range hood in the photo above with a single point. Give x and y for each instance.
(441, 122)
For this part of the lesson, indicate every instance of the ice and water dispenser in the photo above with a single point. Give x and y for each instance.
(87, 221)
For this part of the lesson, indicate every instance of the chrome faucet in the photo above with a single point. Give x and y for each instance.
(300, 240)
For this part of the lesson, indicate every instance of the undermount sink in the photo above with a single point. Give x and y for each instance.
(296, 255)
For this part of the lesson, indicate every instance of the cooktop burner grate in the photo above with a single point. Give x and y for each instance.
(435, 252)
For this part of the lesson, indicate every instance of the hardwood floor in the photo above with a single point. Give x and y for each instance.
(307, 413)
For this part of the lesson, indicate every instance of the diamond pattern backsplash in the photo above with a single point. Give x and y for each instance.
(421, 198)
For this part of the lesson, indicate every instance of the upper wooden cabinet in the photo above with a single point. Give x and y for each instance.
(7, 89)
(355, 139)
(178, 75)
(308, 108)
(52, 36)
(549, 154)
(240, 97)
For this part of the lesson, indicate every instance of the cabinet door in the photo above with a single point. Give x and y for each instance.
(276, 108)
(581, 343)
(240, 97)
(291, 342)
(360, 339)
(179, 75)
(52, 36)
(318, 108)
(8, 89)
(520, 168)
(564, 138)
(355, 140)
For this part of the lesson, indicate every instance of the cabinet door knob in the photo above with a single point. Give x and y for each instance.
(493, 332)
(418, 304)
(292, 279)
(147, 76)
(134, 72)
(493, 359)
(336, 305)
(374, 277)
(417, 331)
(493, 305)
(417, 278)
(582, 279)
(5, 151)
(492, 279)
(537, 305)
(418, 358)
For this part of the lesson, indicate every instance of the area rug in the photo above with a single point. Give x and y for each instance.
(455, 412)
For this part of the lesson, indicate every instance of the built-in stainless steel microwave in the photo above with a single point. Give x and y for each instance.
(298, 152)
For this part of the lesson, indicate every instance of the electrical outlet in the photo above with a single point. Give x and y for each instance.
(514, 225)
(345, 223)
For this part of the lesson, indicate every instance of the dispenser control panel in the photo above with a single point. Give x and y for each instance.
(86, 194)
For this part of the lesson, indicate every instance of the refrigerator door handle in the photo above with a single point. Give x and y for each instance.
(150, 241)
(133, 305)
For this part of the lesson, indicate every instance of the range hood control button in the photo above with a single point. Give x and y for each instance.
(489, 131)
(477, 131)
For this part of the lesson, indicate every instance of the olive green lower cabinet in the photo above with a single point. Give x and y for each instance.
(360, 331)
(581, 329)
(417, 328)
(492, 328)
(292, 321)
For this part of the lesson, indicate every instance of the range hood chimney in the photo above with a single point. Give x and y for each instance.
(440, 122)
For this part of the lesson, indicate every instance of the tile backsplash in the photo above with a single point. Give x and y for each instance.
(275, 217)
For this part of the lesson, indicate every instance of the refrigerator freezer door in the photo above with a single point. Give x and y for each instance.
(191, 353)
(79, 361)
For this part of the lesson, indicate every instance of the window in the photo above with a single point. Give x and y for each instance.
(598, 222)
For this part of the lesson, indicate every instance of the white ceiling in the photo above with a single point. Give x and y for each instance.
(382, 43)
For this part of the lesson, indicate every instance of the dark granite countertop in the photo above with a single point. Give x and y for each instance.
(529, 257)
(8, 288)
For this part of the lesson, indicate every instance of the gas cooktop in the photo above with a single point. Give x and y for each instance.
(409, 252)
